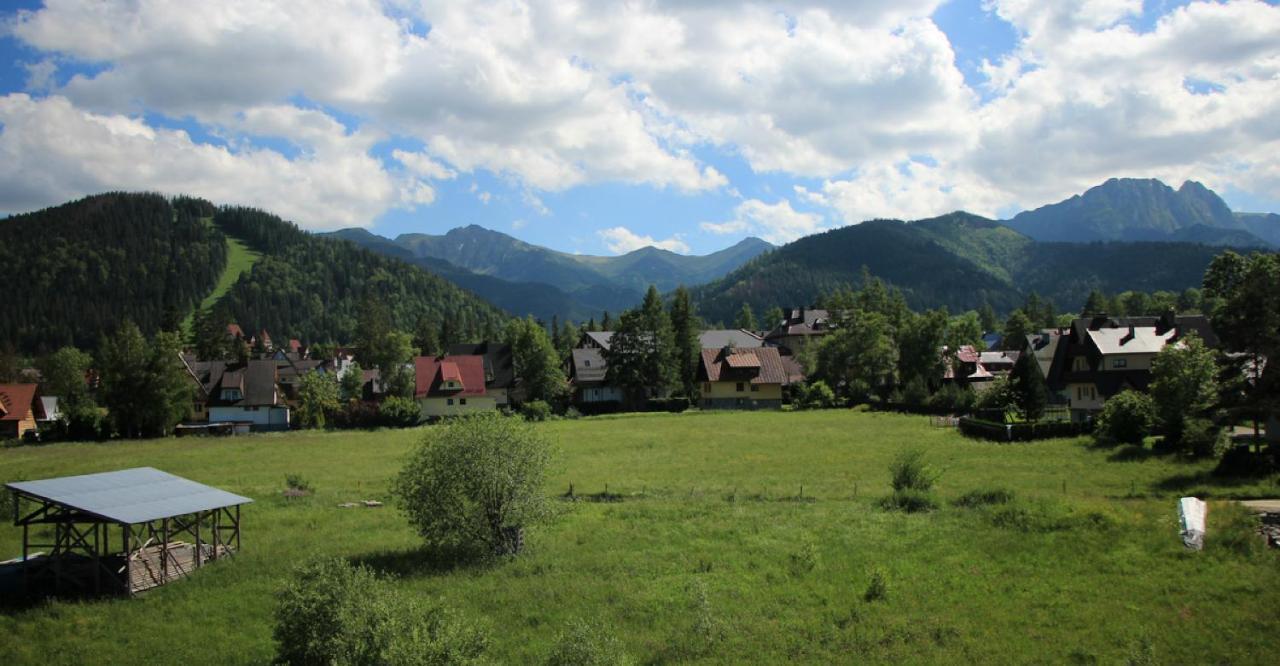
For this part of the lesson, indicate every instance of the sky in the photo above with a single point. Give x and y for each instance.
(602, 127)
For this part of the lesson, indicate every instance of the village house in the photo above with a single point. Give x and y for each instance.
(499, 369)
(799, 328)
(738, 337)
(978, 369)
(451, 386)
(248, 395)
(1102, 356)
(588, 378)
(747, 378)
(20, 410)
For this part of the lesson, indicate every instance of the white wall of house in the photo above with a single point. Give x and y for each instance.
(258, 416)
(1084, 396)
(456, 405)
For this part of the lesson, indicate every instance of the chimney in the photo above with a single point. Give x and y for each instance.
(1131, 335)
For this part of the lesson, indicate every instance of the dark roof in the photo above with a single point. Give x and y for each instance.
(19, 400)
(430, 372)
(499, 364)
(1189, 323)
(588, 366)
(757, 365)
(256, 381)
(130, 496)
(738, 337)
(802, 321)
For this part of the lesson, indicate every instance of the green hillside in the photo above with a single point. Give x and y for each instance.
(240, 258)
(311, 287)
(730, 540)
(75, 272)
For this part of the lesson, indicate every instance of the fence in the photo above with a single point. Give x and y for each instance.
(1022, 432)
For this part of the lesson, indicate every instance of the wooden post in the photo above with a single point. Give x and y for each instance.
(164, 551)
(199, 546)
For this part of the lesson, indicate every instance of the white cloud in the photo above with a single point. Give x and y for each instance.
(776, 222)
(423, 165)
(51, 151)
(621, 240)
(556, 94)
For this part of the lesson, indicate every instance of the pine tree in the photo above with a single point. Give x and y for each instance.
(687, 351)
(1029, 387)
(746, 319)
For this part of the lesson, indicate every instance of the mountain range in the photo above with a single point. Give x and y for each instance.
(1126, 234)
(1127, 209)
(529, 279)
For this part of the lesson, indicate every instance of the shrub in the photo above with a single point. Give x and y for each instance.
(878, 588)
(985, 497)
(585, 643)
(952, 398)
(1127, 417)
(674, 405)
(915, 394)
(333, 613)
(476, 482)
(1202, 438)
(909, 471)
(397, 412)
(294, 481)
(909, 501)
(815, 395)
(536, 410)
(806, 559)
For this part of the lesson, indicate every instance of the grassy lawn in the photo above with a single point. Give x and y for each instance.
(713, 556)
(239, 259)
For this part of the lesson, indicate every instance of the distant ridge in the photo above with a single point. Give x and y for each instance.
(523, 278)
(1128, 209)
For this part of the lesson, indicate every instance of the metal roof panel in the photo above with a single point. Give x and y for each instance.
(130, 496)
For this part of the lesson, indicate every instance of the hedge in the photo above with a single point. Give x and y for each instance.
(1022, 432)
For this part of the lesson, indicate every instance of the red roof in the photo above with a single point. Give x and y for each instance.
(17, 402)
(430, 372)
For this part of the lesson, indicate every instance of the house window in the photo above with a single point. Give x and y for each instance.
(1120, 363)
(755, 388)
(740, 389)
(1081, 364)
(586, 363)
(462, 401)
(448, 401)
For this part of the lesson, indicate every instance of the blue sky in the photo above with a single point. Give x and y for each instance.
(593, 129)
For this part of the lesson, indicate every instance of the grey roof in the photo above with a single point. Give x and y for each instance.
(499, 364)
(130, 496)
(601, 338)
(588, 366)
(738, 337)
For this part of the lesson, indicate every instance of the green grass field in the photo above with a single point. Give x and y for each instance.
(1085, 566)
(239, 260)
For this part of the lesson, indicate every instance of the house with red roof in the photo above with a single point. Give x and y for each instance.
(741, 378)
(451, 385)
(20, 409)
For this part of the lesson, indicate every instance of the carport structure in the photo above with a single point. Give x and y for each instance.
(154, 512)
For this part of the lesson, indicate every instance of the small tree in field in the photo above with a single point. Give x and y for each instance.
(1127, 417)
(477, 483)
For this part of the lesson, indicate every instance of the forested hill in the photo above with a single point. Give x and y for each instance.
(76, 271)
(960, 261)
(311, 287)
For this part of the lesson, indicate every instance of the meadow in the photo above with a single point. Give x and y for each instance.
(724, 538)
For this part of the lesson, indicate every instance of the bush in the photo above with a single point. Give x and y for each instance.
(476, 482)
(976, 498)
(915, 394)
(878, 588)
(1202, 438)
(908, 471)
(296, 482)
(815, 395)
(909, 501)
(397, 412)
(952, 398)
(536, 410)
(333, 613)
(1127, 417)
(585, 643)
